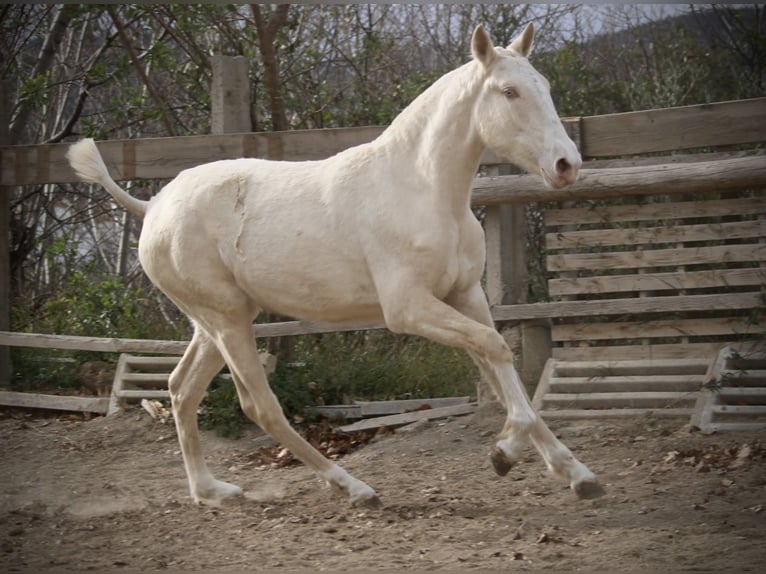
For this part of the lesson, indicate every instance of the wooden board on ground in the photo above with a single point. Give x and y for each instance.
(411, 417)
(362, 409)
(54, 402)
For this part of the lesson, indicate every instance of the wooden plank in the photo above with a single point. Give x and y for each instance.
(379, 408)
(138, 362)
(407, 418)
(163, 158)
(719, 426)
(613, 413)
(741, 393)
(285, 328)
(362, 409)
(660, 328)
(142, 394)
(653, 235)
(672, 280)
(656, 211)
(706, 125)
(146, 379)
(626, 399)
(544, 385)
(636, 352)
(715, 254)
(625, 383)
(744, 378)
(54, 402)
(109, 345)
(337, 411)
(736, 410)
(696, 178)
(115, 345)
(642, 367)
(631, 305)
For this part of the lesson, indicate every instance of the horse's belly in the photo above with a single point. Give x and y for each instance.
(313, 282)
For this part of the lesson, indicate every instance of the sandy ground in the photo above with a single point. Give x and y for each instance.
(109, 494)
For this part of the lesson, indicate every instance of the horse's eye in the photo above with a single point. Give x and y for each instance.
(510, 92)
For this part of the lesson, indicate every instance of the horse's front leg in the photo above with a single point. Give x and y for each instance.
(465, 321)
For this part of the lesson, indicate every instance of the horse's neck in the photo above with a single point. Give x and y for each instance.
(434, 135)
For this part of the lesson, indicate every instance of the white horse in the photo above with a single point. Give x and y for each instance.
(379, 232)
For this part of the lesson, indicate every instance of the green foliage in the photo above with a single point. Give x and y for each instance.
(220, 410)
(336, 368)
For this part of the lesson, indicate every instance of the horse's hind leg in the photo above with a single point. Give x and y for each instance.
(187, 385)
(234, 337)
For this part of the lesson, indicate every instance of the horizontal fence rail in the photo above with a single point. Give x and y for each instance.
(669, 129)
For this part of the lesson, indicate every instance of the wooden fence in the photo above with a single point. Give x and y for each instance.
(614, 135)
(673, 129)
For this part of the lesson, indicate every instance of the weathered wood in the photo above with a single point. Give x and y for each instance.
(702, 177)
(164, 158)
(230, 95)
(338, 411)
(630, 367)
(142, 379)
(735, 410)
(152, 363)
(699, 177)
(54, 402)
(108, 345)
(733, 393)
(711, 231)
(625, 399)
(308, 328)
(715, 254)
(617, 383)
(604, 307)
(115, 345)
(719, 124)
(659, 328)
(597, 414)
(411, 417)
(744, 378)
(669, 129)
(362, 409)
(379, 408)
(136, 394)
(741, 393)
(654, 351)
(507, 275)
(673, 280)
(657, 211)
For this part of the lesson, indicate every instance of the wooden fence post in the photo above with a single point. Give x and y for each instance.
(5, 232)
(230, 95)
(507, 283)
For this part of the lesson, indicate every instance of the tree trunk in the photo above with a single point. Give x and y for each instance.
(267, 33)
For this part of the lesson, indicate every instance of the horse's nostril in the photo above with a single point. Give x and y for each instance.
(563, 166)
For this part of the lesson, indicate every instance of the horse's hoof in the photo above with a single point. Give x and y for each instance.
(372, 502)
(500, 461)
(588, 489)
(216, 492)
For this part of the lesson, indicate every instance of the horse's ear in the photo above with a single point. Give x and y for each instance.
(522, 44)
(481, 46)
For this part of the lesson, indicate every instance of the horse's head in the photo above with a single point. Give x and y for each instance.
(514, 114)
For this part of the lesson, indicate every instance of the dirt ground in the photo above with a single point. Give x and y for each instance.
(110, 494)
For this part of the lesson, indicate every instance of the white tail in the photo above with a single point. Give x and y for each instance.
(89, 166)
